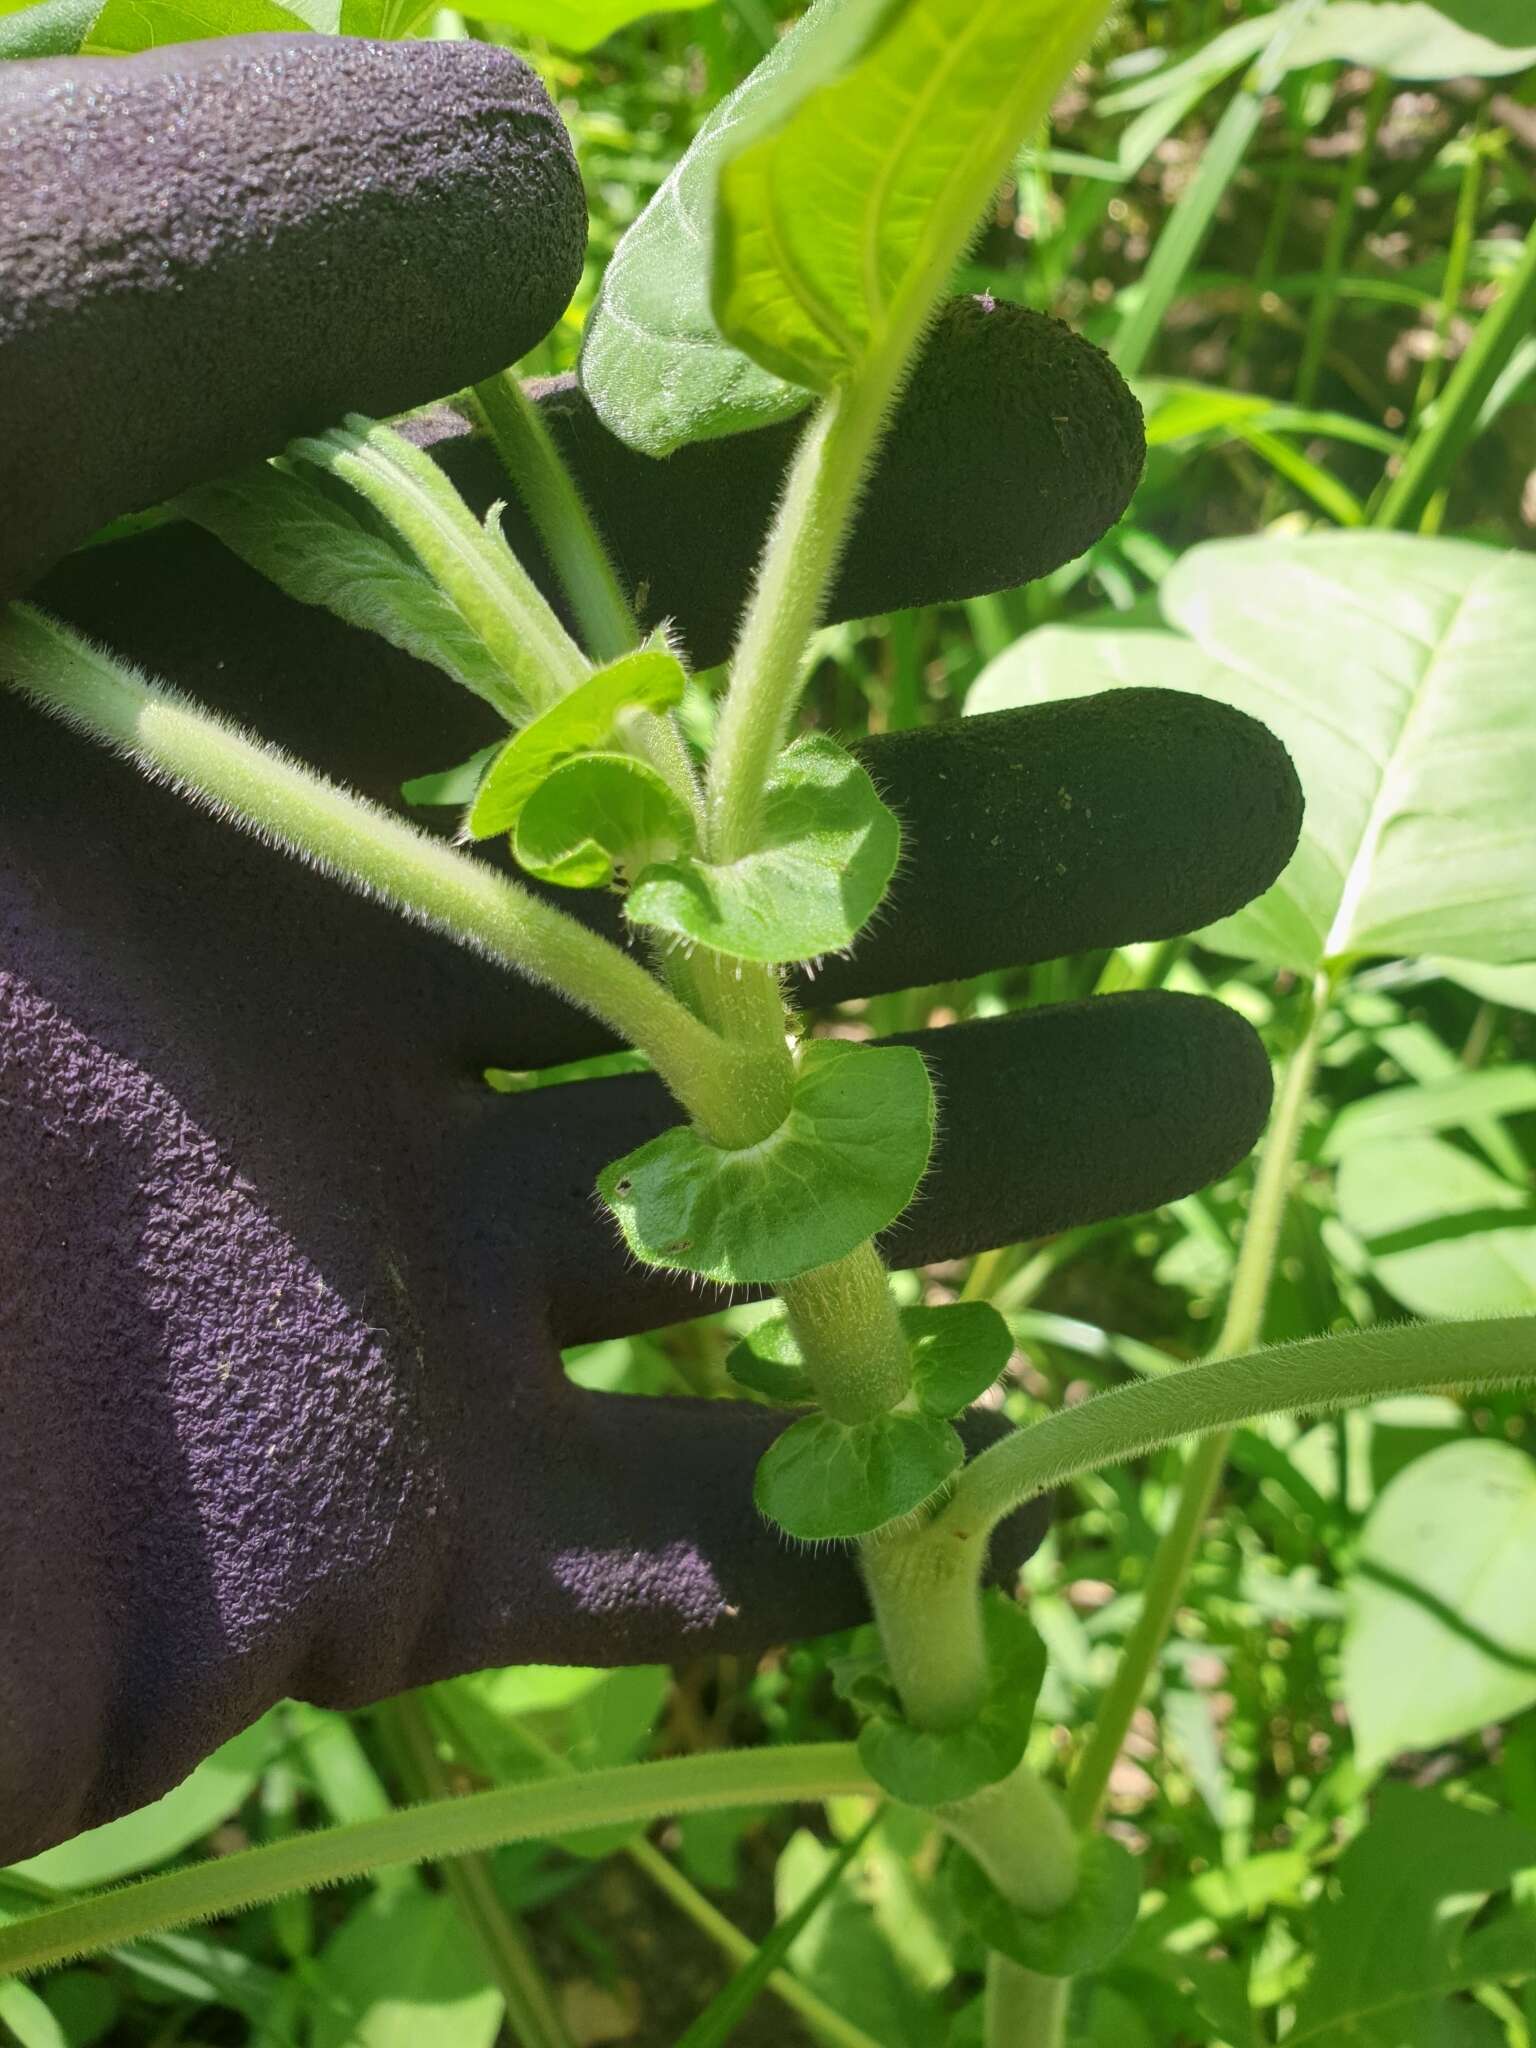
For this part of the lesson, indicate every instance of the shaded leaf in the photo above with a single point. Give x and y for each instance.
(453, 787)
(650, 679)
(768, 1360)
(1392, 1946)
(844, 1164)
(957, 1353)
(318, 549)
(1083, 1936)
(824, 1480)
(927, 1769)
(1445, 1235)
(404, 1971)
(597, 817)
(1444, 1587)
(1417, 39)
(827, 850)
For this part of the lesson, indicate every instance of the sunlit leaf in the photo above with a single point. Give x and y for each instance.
(844, 1164)
(156, 1832)
(824, 1480)
(1397, 671)
(1417, 39)
(768, 1361)
(653, 362)
(404, 1970)
(1443, 1586)
(839, 224)
(575, 24)
(124, 26)
(826, 850)
(1445, 1235)
(650, 679)
(957, 1353)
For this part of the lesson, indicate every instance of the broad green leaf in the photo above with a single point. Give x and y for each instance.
(404, 1970)
(575, 24)
(1514, 987)
(1444, 1587)
(1397, 671)
(315, 547)
(155, 1833)
(1083, 1936)
(451, 787)
(650, 679)
(1452, 1104)
(844, 1955)
(653, 362)
(932, 1770)
(26, 2020)
(768, 1361)
(825, 1481)
(54, 28)
(1417, 39)
(124, 26)
(386, 19)
(1446, 1236)
(957, 1353)
(596, 817)
(839, 225)
(1390, 1946)
(843, 1165)
(825, 853)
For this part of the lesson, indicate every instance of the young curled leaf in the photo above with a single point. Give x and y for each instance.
(827, 851)
(927, 1769)
(597, 817)
(650, 679)
(1081, 1937)
(824, 1480)
(843, 1165)
(957, 1353)
(768, 1361)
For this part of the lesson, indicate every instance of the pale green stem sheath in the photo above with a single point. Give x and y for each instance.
(1242, 1327)
(850, 1336)
(1023, 2010)
(471, 562)
(576, 549)
(226, 1885)
(926, 1596)
(725, 1088)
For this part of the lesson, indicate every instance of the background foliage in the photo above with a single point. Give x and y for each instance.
(1306, 231)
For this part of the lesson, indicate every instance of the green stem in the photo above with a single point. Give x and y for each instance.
(767, 670)
(227, 1885)
(926, 1596)
(531, 2013)
(1023, 2010)
(845, 1320)
(1437, 448)
(732, 1093)
(1340, 226)
(560, 515)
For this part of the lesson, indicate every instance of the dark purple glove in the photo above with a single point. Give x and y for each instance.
(283, 1285)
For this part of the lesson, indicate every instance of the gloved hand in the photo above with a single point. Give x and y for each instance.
(283, 1285)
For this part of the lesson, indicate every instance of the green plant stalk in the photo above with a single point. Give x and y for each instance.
(1242, 1327)
(1336, 244)
(1184, 233)
(531, 2013)
(737, 1096)
(560, 515)
(1435, 450)
(1451, 286)
(226, 1885)
(845, 1321)
(470, 562)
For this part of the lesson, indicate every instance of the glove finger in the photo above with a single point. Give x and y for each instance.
(1047, 1119)
(1014, 447)
(384, 222)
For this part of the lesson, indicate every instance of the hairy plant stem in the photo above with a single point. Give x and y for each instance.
(733, 1092)
(560, 514)
(226, 1885)
(845, 1321)
(1242, 1328)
